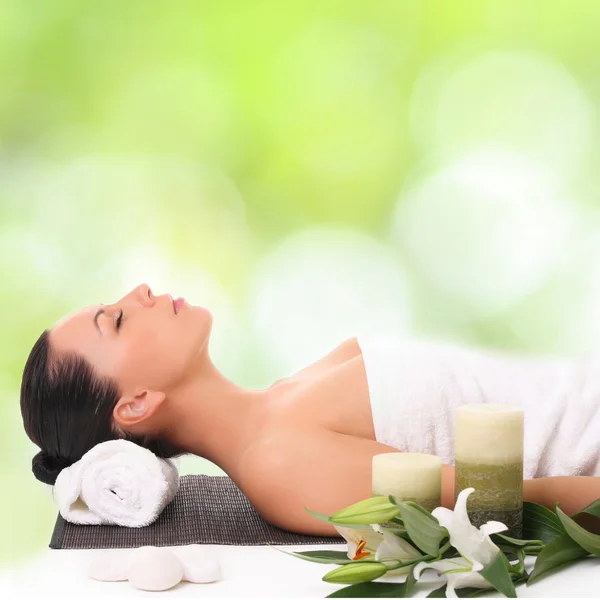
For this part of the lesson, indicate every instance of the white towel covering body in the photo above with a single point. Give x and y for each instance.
(416, 385)
(116, 483)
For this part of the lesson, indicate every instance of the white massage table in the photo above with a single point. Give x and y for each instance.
(248, 572)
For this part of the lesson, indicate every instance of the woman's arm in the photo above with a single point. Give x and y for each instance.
(572, 493)
(326, 471)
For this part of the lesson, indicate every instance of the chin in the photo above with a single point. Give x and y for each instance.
(202, 312)
(203, 320)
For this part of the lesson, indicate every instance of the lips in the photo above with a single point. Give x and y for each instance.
(178, 304)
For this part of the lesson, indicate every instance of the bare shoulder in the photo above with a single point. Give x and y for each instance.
(348, 349)
(345, 351)
(293, 469)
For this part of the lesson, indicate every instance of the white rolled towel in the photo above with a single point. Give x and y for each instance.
(116, 483)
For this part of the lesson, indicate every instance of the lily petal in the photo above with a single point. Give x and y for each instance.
(443, 514)
(474, 544)
(446, 516)
(393, 546)
(443, 565)
(361, 542)
(460, 506)
(459, 573)
(493, 527)
(461, 580)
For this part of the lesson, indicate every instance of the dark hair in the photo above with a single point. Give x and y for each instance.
(67, 409)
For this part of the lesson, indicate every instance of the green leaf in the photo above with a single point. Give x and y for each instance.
(400, 532)
(414, 561)
(378, 590)
(511, 546)
(471, 592)
(325, 557)
(320, 556)
(540, 523)
(592, 509)
(393, 526)
(460, 592)
(371, 503)
(498, 575)
(561, 551)
(467, 592)
(358, 572)
(326, 554)
(372, 589)
(588, 541)
(366, 512)
(512, 552)
(448, 551)
(522, 578)
(582, 517)
(423, 510)
(409, 584)
(509, 551)
(438, 592)
(515, 541)
(424, 532)
(326, 519)
(519, 568)
(405, 536)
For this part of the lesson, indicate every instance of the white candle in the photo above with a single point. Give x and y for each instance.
(416, 477)
(489, 433)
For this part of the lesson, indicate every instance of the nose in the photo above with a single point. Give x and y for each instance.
(141, 294)
(144, 293)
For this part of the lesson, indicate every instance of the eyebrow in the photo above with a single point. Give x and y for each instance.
(100, 312)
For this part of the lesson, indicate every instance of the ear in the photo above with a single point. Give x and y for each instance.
(131, 410)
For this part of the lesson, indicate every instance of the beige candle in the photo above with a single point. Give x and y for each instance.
(489, 458)
(416, 477)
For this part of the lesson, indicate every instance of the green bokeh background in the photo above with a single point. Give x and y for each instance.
(305, 170)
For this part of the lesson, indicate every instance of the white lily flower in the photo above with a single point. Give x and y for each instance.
(396, 548)
(361, 542)
(475, 546)
(459, 573)
(376, 543)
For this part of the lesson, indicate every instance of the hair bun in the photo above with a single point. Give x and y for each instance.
(46, 468)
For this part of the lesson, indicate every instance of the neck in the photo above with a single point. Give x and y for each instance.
(214, 418)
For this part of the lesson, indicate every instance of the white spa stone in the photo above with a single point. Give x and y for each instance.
(154, 569)
(110, 566)
(200, 564)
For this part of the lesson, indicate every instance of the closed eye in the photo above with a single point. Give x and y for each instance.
(119, 319)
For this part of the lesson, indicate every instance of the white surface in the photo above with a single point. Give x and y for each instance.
(248, 572)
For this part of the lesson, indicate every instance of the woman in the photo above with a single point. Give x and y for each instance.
(140, 369)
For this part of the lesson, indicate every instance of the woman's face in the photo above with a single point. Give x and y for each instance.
(139, 341)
